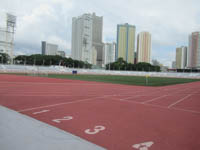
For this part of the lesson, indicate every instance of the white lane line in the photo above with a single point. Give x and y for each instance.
(158, 106)
(24, 95)
(122, 99)
(46, 83)
(154, 99)
(49, 95)
(193, 111)
(39, 112)
(88, 99)
(182, 99)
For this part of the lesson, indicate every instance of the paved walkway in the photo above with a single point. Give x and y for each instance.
(20, 132)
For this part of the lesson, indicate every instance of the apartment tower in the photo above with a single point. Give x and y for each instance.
(87, 33)
(144, 47)
(181, 57)
(125, 42)
(194, 50)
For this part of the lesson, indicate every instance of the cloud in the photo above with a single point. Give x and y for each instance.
(170, 22)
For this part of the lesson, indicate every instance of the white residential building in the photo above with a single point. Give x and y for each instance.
(194, 51)
(87, 36)
(49, 49)
(7, 31)
(181, 57)
(144, 47)
(109, 53)
(61, 53)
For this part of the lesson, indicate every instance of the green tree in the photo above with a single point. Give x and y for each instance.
(4, 58)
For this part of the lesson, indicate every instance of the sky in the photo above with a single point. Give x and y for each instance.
(170, 22)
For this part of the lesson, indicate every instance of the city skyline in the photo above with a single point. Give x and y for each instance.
(51, 21)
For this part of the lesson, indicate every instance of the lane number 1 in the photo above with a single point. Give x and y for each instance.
(39, 112)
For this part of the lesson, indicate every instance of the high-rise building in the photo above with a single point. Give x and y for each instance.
(7, 31)
(61, 53)
(125, 42)
(181, 57)
(109, 53)
(173, 64)
(49, 49)
(194, 50)
(87, 31)
(144, 47)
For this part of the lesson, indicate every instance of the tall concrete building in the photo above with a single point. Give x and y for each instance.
(173, 64)
(49, 49)
(125, 42)
(194, 50)
(181, 57)
(109, 53)
(144, 47)
(61, 53)
(87, 32)
(7, 32)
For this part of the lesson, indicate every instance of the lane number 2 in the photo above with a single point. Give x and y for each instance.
(96, 130)
(63, 119)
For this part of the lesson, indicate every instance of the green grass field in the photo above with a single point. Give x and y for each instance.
(129, 80)
(116, 79)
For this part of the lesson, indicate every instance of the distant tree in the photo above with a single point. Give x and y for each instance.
(120, 64)
(4, 58)
(155, 62)
(47, 60)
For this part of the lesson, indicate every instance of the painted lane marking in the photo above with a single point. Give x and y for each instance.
(122, 99)
(158, 106)
(58, 104)
(143, 146)
(64, 118)
(179, 101)
(154, 99)
(96, 130)
(39, 112)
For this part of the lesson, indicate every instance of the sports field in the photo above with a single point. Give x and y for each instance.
(116, 79)
(113, 116)
(128, 80)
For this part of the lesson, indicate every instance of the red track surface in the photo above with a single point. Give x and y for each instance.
(168, 116)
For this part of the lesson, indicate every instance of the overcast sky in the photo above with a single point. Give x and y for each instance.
(170, 22)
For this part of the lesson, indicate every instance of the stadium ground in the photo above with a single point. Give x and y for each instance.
(128, 80)
(113, 116)
(116, 79)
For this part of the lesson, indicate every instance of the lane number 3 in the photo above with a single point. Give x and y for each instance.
(64, 118)
(96, 130)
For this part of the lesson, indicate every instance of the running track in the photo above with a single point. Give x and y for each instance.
(116, 117)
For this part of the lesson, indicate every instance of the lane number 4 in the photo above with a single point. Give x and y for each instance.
(143, 146)
(96, 130)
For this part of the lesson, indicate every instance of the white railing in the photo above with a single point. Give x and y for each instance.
(63, 70)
